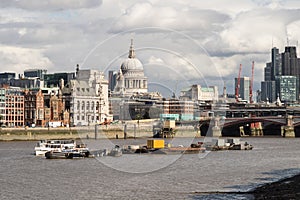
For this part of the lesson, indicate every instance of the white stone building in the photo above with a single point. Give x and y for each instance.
(200, 94)
(87, 98)
(131, 78)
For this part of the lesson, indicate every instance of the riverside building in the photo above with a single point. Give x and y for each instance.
(34, 108)
(200, 94)
(86, 98)
(14, 107)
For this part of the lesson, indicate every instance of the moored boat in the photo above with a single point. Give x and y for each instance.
(228, 144)
(66, 154)
(80, 151)
(116, 151)
(44, 146)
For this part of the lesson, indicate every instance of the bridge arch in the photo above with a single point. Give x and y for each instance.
(271, 125)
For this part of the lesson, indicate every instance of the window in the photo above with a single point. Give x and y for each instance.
(78, 105)
(88, 105)
(82, 106)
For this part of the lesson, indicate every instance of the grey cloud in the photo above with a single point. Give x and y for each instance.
(251, 32)
(148, 15)
(49, 4)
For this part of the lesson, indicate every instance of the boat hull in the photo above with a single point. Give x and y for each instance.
(66, 155)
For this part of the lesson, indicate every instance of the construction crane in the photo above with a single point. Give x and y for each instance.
(237, 87)
(251, 84)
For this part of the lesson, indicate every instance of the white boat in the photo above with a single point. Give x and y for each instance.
(44, 146)
(78, 152)
(116, 151)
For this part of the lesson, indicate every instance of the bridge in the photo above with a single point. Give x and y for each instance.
(287, 126)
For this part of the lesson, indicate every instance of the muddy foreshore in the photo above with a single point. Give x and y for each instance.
(288, 188)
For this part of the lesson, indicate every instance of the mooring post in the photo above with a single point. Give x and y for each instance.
(134, 130)
(125, 131)
(96, 131)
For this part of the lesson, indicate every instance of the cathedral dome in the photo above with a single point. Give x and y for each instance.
(131, 63)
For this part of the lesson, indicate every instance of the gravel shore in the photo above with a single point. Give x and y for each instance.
(284, 189)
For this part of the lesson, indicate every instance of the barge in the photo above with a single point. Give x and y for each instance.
(227, 144)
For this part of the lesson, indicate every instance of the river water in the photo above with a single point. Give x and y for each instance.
(189, 176)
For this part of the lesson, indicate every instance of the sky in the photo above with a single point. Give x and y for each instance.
(179, 42)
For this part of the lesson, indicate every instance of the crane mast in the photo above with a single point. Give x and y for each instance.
(237, 88)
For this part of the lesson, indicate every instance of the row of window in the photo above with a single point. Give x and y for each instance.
(14, 124)
(18, 99)
(83, 89)
(12, 105)
(87, 106)
(92, 118)
(12, 118)
(19, 112)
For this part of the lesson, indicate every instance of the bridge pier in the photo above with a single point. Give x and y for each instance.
(216, 130)
(288, 130)
(256, 129)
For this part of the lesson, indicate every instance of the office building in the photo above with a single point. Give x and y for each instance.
(268, 91)
(53, 80)
(244, 90)
(6, 77)
(287, 88)
(112, 80)
(284, 69)
(276, 64)
(14, 107)
(200, 94)
(26, 83)
(35, 73)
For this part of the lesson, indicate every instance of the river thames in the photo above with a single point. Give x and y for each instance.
(138, 176)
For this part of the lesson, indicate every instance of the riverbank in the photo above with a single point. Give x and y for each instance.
(288, 188)
(110, 131)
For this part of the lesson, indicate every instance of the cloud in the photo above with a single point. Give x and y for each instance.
(39, 5)
(18, 59)
(187, 40)
(155, 61)
(186, 18)
(254, 31)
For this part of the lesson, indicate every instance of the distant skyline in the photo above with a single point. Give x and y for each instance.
(179, 42)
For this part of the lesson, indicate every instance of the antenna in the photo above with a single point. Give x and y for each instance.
(175, 89)
(272, 42)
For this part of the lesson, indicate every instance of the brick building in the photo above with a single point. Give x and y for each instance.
(34, 108)
(14, 107)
